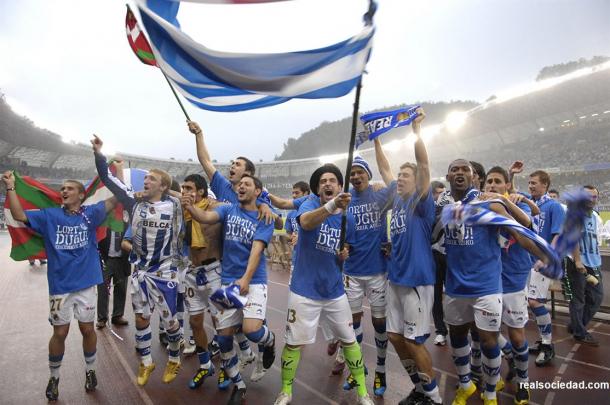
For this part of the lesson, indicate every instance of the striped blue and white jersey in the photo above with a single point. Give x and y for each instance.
(156, 228)
(155, 234)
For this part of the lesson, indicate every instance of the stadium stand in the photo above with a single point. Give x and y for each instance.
(564, 129)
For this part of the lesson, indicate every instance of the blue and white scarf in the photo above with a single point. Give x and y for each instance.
(536, 218)
(474, 214)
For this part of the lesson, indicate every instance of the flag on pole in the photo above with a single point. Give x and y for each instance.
(137, 40)
(27, 244)
(233, 1)
(223, 81)
(361, 137)
(378, 123)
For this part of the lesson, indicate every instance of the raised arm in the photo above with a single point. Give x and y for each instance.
(281, 203)
(421, 155)
(202, 151)
(382, 163)
(515, 168)
(312, 219)
(111, 202)
(16, 209)
(115, 186)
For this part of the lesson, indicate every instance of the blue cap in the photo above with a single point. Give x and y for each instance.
(358, 161)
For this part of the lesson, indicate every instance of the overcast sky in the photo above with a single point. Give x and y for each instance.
(68, 67)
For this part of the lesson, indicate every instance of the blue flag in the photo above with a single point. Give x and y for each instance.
(378, 123)
(361, 137)
(225, 81)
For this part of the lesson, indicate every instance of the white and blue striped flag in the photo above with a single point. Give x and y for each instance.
(223, 81)
(474, 213)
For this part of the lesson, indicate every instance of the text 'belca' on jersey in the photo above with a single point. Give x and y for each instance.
(154, 233)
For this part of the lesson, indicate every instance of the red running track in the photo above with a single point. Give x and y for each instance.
(24, 333)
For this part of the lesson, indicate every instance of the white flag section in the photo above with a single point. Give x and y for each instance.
(231, 1)
(222, 81)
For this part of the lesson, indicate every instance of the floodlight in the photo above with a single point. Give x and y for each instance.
(455, 120)
(332, 158)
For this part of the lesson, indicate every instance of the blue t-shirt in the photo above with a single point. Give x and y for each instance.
(516, 261)
(473, 260)
(297, 202)
(223, 190)
(367, 258)
(71, 246)
(550, 220)
(241, 229)
(411, 232)
(291, 226)
(317, 271)
(589, 247)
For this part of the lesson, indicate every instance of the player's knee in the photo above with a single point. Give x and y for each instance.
(517, 336)
(378, 312)
(379, 324)
(357, 316)
(251, 326)
(459, 331)
(142, 322)
(225, 343)
(61, 332)
(347, 345)
(196, 321)
(86, 328)
(395, 338)
(488, 339)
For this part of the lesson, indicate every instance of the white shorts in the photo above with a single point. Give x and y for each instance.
(199, 289)
(255, 308)
(181, 279)
(81, 303)
(304, 314)
(326, 331)
(410, 311)
(538, 286)
(514, 309)
(485, 312)
(356, 287)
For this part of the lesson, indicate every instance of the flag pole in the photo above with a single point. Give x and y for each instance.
(368, 20)
(175, 95)
(350, 158)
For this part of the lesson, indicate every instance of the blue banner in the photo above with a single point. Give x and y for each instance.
(378, 123)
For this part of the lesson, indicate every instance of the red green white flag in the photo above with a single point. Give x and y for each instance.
(138, 42)
(27, 244)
